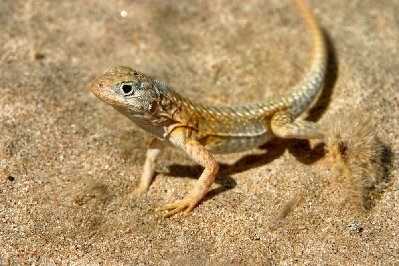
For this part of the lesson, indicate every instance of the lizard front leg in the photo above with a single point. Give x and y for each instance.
(154, 150)
(180, 139)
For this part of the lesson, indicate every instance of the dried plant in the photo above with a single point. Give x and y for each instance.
(356, 155)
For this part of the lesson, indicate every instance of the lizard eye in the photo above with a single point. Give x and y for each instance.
(127, 89)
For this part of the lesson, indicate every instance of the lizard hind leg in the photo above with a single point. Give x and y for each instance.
(284, 126)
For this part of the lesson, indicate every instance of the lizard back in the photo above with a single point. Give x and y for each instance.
(224, 129)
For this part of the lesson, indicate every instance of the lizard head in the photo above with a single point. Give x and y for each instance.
(130, 92)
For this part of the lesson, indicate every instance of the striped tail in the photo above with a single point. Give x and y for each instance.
(305, 93)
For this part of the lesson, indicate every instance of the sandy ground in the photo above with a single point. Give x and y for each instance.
(68, 161)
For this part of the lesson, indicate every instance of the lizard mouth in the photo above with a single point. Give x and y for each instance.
(105, 93)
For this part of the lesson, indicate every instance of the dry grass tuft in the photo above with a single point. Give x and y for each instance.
(287, 208)
(356, 155)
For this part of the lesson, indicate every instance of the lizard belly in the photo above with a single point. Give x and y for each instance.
(225, 144)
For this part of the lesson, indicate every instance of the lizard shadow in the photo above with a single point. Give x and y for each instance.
(300, 149)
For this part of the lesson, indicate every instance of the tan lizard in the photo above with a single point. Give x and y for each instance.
(200, 130)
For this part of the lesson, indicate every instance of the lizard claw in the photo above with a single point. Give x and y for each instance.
(185, 205)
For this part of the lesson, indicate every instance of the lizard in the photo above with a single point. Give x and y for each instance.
(203, 130)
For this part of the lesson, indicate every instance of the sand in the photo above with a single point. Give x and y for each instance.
(68, 161)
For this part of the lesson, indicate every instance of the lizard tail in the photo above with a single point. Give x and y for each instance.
(305, 93)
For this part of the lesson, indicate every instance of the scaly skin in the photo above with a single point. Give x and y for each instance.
(201, 130)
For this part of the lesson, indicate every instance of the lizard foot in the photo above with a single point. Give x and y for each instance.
(138, 193)
(185, 205)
